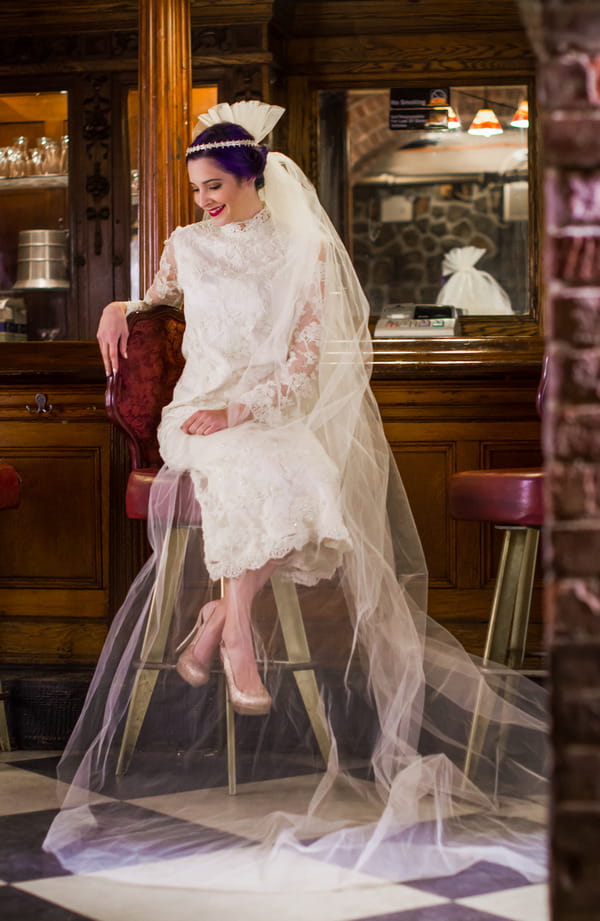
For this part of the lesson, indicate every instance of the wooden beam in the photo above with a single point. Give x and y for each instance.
(165, 92)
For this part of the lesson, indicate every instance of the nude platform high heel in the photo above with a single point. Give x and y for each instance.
(247, 704)
(188, 667)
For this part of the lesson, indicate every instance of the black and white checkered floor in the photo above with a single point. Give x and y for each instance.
(34, 886)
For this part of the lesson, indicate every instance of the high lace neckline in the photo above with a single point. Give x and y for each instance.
(261, 217)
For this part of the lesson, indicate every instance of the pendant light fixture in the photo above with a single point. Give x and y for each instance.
(485, 122)
(453, 119)
(521, 117)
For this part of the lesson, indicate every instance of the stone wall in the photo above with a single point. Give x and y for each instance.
(402, 262)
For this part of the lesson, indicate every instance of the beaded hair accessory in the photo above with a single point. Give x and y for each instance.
(213, 144)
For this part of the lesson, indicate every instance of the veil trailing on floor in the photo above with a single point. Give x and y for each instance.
(404, 705)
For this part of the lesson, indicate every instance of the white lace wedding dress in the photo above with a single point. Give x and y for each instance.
(266, 488)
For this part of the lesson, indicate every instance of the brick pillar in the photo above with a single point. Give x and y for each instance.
(566, 37)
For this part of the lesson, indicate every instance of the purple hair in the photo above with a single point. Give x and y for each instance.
(244, 162)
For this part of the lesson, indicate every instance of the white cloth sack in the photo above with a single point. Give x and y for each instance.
(469, 288)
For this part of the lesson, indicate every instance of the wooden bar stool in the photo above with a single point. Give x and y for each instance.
(134, 399)
(513, 501)
(10, 497)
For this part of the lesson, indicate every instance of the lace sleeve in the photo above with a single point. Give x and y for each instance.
(165, 287)
(291, 387)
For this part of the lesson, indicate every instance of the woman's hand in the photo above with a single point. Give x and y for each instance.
(113, 334)
(206, 422)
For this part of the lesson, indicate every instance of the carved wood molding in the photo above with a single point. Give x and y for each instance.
(96, 133)
(26, 51)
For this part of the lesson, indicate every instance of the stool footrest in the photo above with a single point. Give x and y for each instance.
(168, 667)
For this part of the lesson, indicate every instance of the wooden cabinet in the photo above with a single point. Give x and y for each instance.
(54, 549)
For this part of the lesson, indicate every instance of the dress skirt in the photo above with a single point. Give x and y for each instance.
(265, 494)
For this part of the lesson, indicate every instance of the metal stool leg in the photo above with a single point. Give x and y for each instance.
(503, 603)
(294, 636)
(518, 634)
(4, 736)
(298, 652)
(509, 618)
(154, 643)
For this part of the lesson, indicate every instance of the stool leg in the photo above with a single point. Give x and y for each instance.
(510, 587)
(518, 634)
(230, 733)
(503, 603)
(154, 643)
(231, 748)
(296, 644)
(4, 736)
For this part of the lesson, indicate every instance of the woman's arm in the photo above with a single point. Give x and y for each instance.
(293, 383)
(113, 331)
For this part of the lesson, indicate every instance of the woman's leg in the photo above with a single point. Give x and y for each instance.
(230, 621)
(237, 630)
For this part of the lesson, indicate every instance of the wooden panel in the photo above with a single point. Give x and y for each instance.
(425, 468)
(51, 641)
(54, 538)
(54, 560)
(327, 17)
(407, 55)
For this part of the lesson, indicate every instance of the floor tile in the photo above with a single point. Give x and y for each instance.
(20, 755)
(480, 878)
(21, 855)
(448, 912)
(16, 905)
(24, 791)
(108, 900)
(525, 903)
(252, 868)
(123, 835)
(241, 814)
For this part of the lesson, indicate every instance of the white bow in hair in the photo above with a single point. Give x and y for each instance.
(258, 118)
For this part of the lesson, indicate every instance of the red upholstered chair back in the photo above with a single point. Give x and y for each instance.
(144, 383)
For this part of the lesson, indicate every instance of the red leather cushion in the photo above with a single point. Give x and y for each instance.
(137, 494)
(10, 486)
(184, 509)
(501, 496)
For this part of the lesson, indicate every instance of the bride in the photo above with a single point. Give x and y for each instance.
(274, 424)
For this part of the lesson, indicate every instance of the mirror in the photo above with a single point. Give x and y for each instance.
(431, 212)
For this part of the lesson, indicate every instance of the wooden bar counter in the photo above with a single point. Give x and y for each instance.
(68, 553)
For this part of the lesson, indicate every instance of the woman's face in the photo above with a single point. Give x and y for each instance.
(222, 195)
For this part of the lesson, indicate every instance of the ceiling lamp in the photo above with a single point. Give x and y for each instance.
(453, 119)
(485, 123)
(521, 117)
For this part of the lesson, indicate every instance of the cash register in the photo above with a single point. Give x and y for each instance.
(418, 321)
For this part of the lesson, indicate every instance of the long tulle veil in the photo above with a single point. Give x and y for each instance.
(400, 694)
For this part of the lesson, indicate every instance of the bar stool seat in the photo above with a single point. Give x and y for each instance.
(512, 497)
(137, 497)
